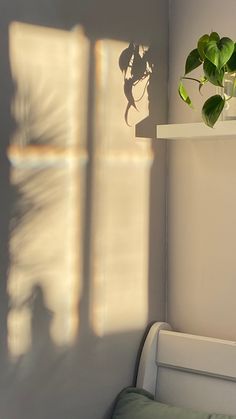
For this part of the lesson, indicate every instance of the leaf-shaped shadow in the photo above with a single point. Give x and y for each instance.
(125, 58)
(136, 63)
(139, 66)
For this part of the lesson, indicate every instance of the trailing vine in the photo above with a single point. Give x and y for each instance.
(217, 56)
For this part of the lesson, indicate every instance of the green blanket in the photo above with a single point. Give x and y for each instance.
(134, 403)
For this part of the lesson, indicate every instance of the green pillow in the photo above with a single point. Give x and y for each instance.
(134, 403)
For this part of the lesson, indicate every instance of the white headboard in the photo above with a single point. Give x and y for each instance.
(189, 371)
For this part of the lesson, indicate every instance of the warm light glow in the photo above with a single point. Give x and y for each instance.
(120, 224)
(19, 331)
(48, 159)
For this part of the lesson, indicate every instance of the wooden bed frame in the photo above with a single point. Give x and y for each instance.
(189, 371)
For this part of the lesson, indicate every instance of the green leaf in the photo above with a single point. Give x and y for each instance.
(184, 95)
(201, 45)
(231, 64)
(212, 109)
(219, 52)
(226, 46)
(214, 36)
(193, 61)
(214, 75)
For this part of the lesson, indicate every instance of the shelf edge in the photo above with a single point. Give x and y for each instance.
(197, 130)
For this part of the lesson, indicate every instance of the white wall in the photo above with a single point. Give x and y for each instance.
(82, 380)
(201, 193)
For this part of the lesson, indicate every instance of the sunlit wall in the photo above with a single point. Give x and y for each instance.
(87, 220)
(48, 159)
(48, 155)
(120, 220)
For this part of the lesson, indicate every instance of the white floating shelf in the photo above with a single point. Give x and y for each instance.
(196, 130)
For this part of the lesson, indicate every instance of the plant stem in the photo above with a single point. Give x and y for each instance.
(190, 78)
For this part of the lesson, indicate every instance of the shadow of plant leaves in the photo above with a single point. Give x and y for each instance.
(136, 63)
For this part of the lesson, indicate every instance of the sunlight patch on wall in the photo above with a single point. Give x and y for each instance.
(120, 219)
(48, 156)
(19, 331)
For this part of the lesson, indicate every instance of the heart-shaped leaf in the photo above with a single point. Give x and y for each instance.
(214, 36)
(219, 52)
(231, 64)
(226, 46)
(201, 45)
(193, 61)
(212, 73)
(212, 52)
(184, 95)
(212, 109)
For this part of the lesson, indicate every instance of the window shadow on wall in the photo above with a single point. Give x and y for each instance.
(48, 377)
(7, 127)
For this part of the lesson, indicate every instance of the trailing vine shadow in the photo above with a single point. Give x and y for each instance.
(137, 63)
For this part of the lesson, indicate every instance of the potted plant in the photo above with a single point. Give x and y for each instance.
(217, 56)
